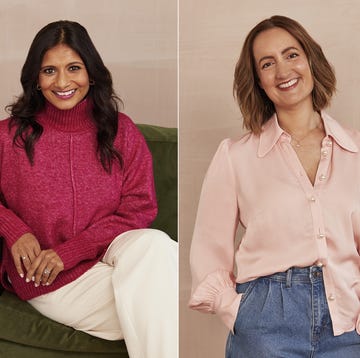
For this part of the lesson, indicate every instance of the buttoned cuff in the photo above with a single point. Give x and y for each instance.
(216, 294)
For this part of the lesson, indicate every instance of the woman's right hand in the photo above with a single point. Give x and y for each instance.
(24, 251)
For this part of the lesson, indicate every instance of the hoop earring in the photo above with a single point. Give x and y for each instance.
(38, 87)
(91, 82)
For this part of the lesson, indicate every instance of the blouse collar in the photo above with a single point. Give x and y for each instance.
(272, 132)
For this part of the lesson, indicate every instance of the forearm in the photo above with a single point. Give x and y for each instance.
(93, 242)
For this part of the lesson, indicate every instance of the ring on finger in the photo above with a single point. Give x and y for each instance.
(47, 272)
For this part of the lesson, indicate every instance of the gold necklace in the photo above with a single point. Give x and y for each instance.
(299, 140)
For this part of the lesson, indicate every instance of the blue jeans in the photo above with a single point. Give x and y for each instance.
(286, 315)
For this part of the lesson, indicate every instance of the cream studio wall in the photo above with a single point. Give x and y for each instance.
(137, 40)
(211, 36)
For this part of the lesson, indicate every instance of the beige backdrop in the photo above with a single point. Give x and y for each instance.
(211, 36)
(137, 40)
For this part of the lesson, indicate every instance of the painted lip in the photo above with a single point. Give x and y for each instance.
(64, 94)
(285, 86)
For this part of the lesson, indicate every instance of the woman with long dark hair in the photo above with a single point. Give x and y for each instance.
(77, 196)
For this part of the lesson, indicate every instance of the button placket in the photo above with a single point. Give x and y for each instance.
(321, 236)
(312, 198)
(324, 153)
(326, 148)
(312, 193)
(316, 210)
(319, 227)
(323, 168)
(330, 290)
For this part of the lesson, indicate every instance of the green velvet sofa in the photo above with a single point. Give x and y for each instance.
(24, 333)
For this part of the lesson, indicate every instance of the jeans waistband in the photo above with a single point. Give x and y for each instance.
(309, 275)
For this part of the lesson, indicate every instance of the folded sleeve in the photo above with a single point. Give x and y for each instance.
(212, 248)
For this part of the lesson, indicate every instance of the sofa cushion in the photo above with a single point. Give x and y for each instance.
(20, 323)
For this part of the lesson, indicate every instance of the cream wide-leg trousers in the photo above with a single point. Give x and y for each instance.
(130, 294)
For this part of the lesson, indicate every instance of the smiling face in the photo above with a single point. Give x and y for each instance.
(63, 77)
(283, 69)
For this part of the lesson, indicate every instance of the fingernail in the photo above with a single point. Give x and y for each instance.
(27, 280)
(36, 284)
(21, 275)
(47, 283)
(33, 278)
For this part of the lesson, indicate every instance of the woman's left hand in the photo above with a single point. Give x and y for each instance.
(45, 268)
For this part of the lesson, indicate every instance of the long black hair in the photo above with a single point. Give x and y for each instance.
(104, 100)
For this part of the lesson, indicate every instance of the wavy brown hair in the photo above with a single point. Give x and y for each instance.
(255, 105)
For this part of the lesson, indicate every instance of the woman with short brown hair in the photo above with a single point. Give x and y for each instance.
(292, 183)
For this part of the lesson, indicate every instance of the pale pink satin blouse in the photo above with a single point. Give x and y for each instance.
(259, 182)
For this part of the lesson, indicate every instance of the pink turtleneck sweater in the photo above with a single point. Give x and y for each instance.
(66, 199)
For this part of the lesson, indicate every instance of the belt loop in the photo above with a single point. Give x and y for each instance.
(288, 277)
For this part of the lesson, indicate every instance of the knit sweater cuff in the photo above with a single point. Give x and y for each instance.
(11, 227)
(71, 255)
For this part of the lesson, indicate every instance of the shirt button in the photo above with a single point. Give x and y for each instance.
(322, 177)
(321, 236)
(312, 199)
(331, 297)
(324, 153)
(329, 143)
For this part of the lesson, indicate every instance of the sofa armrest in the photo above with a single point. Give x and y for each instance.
(162, 142)
(1, 248)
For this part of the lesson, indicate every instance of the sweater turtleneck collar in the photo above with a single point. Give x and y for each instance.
(76, 119)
